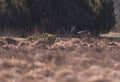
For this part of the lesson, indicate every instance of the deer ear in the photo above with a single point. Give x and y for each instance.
(73, 29)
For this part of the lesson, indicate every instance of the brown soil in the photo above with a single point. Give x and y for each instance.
(67, 60)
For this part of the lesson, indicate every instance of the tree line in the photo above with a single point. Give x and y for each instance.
(26, 16)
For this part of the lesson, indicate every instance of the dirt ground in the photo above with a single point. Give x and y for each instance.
(67, 60)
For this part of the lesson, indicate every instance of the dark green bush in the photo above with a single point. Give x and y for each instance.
(15, 16)
(103, 14)
(96, 16)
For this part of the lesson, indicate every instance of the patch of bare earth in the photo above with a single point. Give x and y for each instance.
(68, 60)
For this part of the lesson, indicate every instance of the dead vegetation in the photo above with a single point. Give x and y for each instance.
(34, 59)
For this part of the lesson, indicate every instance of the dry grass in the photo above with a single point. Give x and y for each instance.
(67, 60)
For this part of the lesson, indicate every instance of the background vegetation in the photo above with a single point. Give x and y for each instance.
(117, 12)
(25, 16)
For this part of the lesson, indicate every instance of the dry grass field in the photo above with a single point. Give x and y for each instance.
(65, 60)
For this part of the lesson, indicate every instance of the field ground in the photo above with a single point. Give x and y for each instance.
(67, 60)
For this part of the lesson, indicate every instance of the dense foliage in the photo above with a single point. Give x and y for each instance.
(25, 16)
(117, 12)
(117, 9)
